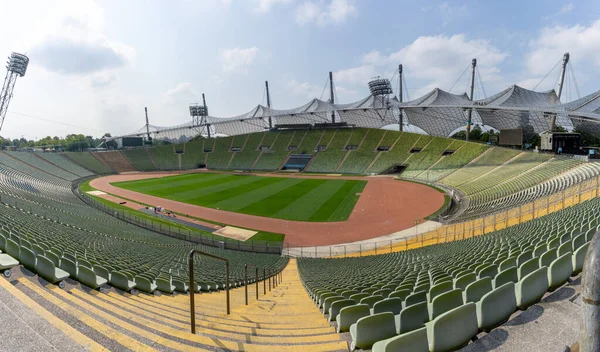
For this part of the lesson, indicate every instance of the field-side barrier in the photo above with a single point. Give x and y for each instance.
(568, 197)
(178, 232)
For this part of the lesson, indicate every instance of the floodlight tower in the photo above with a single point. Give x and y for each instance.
(16, 67)
(381, 87)
(199, 115)
(470, 111)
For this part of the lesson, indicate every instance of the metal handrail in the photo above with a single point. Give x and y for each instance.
(590, 296)
(193, 283)
(246, 280)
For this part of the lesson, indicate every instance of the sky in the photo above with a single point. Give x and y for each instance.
(95, 65)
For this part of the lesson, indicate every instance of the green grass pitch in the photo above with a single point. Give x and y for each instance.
(276, 197)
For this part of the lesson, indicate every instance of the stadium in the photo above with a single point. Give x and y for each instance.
(381, 224)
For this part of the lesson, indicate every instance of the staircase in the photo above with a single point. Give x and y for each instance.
(77, 318)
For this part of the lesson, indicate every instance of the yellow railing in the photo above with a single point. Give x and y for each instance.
(500, 220)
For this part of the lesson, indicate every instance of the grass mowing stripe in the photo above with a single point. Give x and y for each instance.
(346, 206)
(278, 197)
(328, 210)
(156, 180)
(304, 207)
(281, 199)
(250, 197)
(171, 187)
(167, 182)
(212, 199)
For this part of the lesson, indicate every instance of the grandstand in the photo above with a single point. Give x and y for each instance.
(409, 299)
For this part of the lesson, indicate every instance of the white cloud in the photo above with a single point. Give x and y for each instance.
(432, 61)
(238, 59)
(266, 5)
(181, 94)
(582, 42)
(448, 12)
(359, 75)
(567, 8)
(336, 12)
(303, 89)
(70, 40)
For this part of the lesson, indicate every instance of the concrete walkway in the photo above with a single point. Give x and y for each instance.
(381, 244)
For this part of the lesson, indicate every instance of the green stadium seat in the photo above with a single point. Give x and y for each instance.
(416, 297)
(438, 289)
(505, 276)
(523, 257)
(528, 267)
(496, 306)
(70, 267)
(358, 296)
(463, 281)
(488, 271)
(393, 305)
(547, 258)
(578, 258)
(145, 285)
(477, 289)
(13, 249)
(350, 315)
(6, 263)
(559, 271)
(27, 258)
(120, 281)
(411, 318)
(531, 288)
(402, 294)
(328, 301)
(370, 329)
(452, 329)
(414, 341)
(371, 300)
(507, 263)
(165, 284)
(49, 272)
(564, 248)
(87, 277)
(445, 302)
(336, 306)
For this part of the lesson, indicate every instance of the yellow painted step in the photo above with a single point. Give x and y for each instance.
(90, 297)
(184, 324)
(107, 331)
(69, 331)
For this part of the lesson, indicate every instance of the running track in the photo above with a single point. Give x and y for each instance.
(384, 207)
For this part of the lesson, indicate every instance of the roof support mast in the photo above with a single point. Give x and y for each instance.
(269, 103)
(147, 125)
(332, 99)
(206, 114)
(470, 111)
(400, 97)
(560, 87)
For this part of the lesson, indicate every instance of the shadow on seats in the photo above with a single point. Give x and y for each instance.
(575, 282)
(489, 342)
(560, 295)
(531, 314)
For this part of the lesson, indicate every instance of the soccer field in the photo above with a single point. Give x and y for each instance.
(300, 199)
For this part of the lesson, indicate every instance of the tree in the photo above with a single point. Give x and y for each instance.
(110, 144)
(475, 134)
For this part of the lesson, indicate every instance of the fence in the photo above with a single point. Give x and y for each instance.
(451, 232)
(178, 232)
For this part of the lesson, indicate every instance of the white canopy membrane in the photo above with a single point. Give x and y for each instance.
(438, 113)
